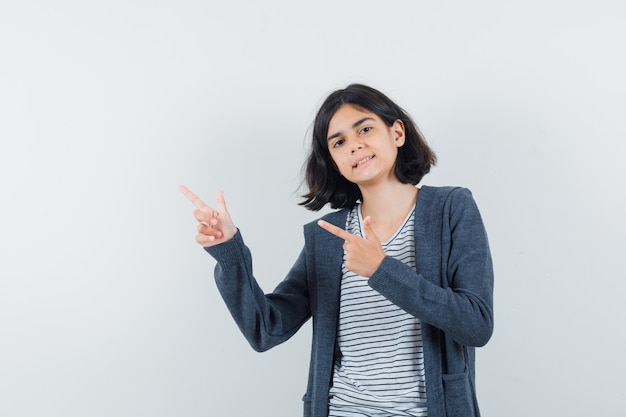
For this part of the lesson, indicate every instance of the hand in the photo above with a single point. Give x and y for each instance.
(363, 256)
(214, 226)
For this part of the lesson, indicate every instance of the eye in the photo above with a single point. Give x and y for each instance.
(365, 129)
(338, 143)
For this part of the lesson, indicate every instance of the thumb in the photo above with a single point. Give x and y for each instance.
(221, 203)
(369, 232)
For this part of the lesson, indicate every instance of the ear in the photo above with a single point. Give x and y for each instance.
(397, 129)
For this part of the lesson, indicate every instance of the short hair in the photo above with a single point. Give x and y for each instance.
(325, 183)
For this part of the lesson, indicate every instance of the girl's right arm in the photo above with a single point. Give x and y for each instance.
(265, 320)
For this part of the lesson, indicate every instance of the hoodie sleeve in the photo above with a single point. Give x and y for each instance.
(459, 300)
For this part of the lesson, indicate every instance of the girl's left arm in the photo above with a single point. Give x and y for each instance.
(460, 300)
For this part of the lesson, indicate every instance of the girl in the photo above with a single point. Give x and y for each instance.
(398, 281)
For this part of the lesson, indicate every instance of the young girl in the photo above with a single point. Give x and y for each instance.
(398, 281)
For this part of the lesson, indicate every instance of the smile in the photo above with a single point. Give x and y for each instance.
(362, 161)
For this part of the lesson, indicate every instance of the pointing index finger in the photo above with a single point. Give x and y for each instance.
(195, 199)
(337, 231)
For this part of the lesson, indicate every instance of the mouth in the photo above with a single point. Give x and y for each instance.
(362, 161)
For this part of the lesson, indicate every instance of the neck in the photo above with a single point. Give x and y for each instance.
(388, 203)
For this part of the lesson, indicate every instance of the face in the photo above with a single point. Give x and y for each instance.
(362, 146)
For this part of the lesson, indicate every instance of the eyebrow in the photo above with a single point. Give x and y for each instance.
(354, 126)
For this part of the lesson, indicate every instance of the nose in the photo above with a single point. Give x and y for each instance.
(355, 145)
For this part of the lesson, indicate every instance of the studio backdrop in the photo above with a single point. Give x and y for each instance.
(108, 306)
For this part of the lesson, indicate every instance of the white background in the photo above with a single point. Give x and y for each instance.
(107, 305)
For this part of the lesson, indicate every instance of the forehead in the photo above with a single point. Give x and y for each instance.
(346, 115)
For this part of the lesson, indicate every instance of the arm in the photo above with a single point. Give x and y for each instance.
(463, 307)
(265, 320)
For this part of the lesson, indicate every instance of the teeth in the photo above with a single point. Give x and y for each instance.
(362, 161)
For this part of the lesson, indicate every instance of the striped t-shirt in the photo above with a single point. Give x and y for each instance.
(379, 368)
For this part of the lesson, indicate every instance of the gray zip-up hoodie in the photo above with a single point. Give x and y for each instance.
(450, 291)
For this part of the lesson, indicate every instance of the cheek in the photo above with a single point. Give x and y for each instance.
(343, 165)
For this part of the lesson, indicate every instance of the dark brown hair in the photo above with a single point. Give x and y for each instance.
(323, 180)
